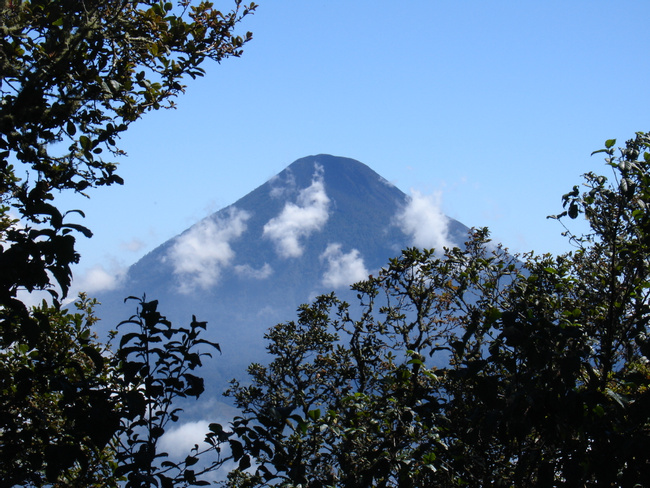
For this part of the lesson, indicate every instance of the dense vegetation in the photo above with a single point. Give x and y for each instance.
(461, 367)
(472, 367)
(73, 77)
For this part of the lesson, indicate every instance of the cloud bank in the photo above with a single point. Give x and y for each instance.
(343, 269)
(299, 220)
(199, 256)
(423, 220)
(93, 280)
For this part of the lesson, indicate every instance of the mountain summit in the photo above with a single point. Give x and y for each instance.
(320, 225)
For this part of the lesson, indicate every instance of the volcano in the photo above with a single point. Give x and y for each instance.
(318, 226)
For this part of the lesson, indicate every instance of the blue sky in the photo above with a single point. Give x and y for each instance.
(494, 107)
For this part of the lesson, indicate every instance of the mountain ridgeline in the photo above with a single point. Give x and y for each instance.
(320, 225)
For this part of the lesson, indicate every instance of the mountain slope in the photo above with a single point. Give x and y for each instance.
(319, 225)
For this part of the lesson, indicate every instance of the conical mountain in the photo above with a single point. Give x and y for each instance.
(321, 224)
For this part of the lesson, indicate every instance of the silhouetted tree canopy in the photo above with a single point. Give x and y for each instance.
(471, 367)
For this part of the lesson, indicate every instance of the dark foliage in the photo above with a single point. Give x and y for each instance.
(471, 367)
(155, 365)
(73, 77)
(56, 402)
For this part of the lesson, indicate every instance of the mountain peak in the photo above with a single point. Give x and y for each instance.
(347, 177)
(326, 160)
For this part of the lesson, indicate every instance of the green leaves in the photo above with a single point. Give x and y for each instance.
(609, 143)
(58, 413)
(363, 398)
(153, 363)
(68, 85)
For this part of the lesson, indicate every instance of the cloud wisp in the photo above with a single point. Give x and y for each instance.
(279, 190)
(422, 219)
(200, 255)
(299, 220)
(247, 271)
(343, 269)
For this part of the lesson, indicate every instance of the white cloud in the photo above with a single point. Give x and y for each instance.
(98, 279)
(386, 182)
(179, 441)
(343, 269)
(423, 220)
(300, 219)
(248, 271)
(199, 255)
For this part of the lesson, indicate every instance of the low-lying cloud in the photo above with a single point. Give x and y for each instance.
(299, 220)
(343, 269)
(200, 255)
(98, 278)
(422, 218)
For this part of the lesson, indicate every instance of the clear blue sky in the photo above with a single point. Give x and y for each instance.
(494, 105)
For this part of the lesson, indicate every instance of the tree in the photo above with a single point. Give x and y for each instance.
(354, 401)
(79, 414)
(73, 77)
(56, 402)
(472, 367)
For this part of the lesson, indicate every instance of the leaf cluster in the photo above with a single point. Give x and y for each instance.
(355, 397)
(76, 413)
(75, 75)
